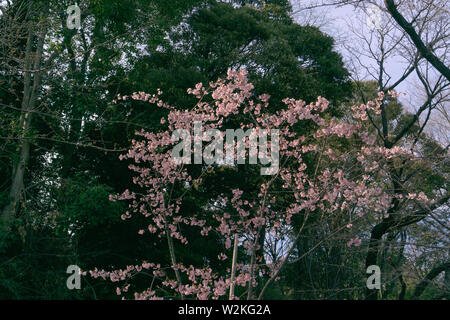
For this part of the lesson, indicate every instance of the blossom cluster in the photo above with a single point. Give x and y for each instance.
(345, 181)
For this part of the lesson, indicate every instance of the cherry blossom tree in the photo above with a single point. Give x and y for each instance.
(337, 169)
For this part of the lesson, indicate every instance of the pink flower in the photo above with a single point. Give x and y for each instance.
(354, 241)
(222, 256)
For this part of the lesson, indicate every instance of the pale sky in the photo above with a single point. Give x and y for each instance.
(337, 22)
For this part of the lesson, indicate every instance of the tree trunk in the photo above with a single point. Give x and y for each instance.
(30, 93)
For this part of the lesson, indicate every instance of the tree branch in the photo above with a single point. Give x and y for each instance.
(423, 49)
(420, 288)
